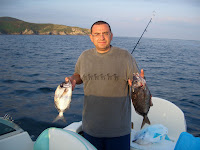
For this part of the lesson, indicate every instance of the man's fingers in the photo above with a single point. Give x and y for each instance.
(130, 82)
(66, 79)
(142, 73)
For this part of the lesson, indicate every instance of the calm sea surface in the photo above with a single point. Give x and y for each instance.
(32, 66)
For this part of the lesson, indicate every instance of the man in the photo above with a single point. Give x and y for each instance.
(106, 73)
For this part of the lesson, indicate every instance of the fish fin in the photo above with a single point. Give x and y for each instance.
(145, 120)
(60, 117)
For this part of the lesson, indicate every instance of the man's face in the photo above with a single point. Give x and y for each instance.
(101, 37)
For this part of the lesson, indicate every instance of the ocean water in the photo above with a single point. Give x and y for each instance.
(32, 66)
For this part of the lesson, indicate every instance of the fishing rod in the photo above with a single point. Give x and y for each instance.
(143, 32)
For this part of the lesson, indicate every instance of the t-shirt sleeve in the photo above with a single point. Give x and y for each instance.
(132, 67)
(77, 66)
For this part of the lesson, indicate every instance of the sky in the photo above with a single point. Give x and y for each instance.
(173, 19)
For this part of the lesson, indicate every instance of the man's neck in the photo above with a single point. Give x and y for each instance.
(103, 50)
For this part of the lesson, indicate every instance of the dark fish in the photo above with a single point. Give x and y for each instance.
(141, 97)
(62, 99)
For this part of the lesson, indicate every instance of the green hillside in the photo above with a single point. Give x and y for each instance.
(10, 25)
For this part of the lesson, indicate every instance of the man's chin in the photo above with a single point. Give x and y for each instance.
(103, 47)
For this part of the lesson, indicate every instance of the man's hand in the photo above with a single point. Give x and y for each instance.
(75, 79)
(73, 82)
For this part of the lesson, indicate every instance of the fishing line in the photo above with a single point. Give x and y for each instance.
(145, 30)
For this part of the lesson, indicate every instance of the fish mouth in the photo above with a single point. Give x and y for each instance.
(65, 84)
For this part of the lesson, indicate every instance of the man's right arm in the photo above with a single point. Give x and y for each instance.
(75, 79)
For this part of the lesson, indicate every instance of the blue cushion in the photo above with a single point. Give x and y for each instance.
(187, 141)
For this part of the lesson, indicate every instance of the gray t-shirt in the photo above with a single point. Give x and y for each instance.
(107, 106)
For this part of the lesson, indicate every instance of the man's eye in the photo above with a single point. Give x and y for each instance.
(97, 34)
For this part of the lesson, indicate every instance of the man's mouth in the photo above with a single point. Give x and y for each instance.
(103, 42)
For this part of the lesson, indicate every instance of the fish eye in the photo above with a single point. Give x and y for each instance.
(62, 84)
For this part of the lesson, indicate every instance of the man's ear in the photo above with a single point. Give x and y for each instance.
(111, 36)
(91, 38)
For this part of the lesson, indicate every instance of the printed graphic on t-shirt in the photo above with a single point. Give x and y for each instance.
(101, 76)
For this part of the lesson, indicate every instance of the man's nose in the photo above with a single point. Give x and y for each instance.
(102, 37)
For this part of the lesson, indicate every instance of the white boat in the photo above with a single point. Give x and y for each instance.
(162, 112)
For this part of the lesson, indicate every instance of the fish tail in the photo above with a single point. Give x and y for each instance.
(145, 120)
(60, 117)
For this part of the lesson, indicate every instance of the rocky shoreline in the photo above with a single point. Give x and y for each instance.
(54, 32)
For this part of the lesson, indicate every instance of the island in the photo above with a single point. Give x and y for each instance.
(9, 25)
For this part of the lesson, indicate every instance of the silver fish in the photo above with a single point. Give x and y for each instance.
(141, 97)
(62, 99)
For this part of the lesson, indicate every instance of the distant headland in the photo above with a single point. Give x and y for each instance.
(9, 25)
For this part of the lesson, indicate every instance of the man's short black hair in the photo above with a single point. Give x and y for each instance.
(99, 23)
